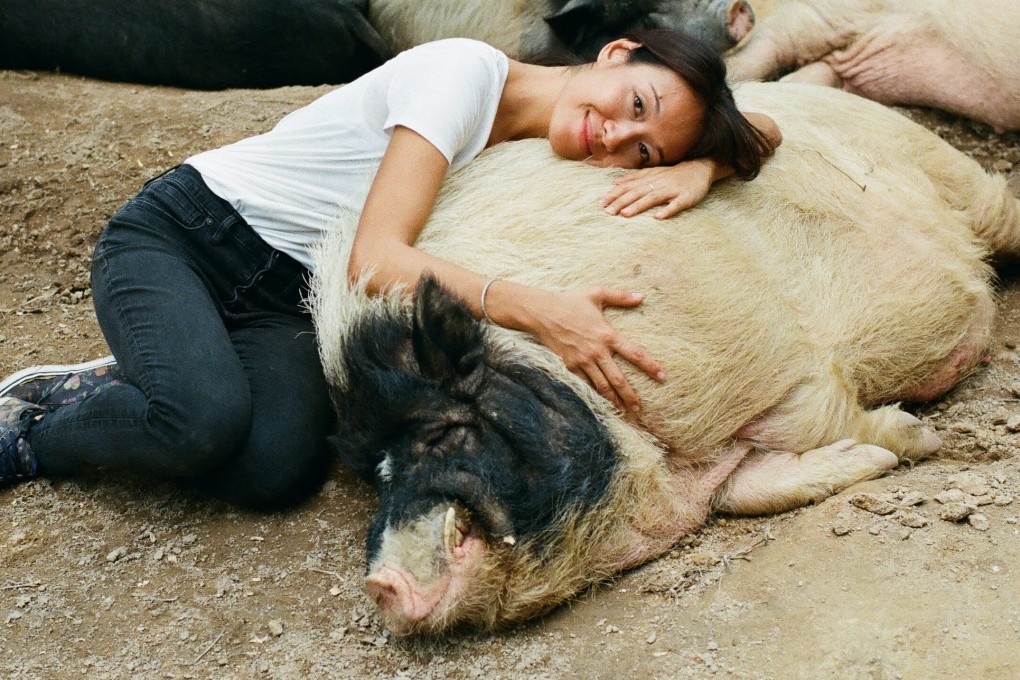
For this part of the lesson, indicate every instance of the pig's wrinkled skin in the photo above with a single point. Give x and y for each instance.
(192, 43)
(851, 273)
(556, 31)
(962, 57)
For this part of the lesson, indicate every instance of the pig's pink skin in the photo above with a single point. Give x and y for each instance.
(893, 66)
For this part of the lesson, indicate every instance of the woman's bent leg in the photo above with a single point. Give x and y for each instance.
(285, 457)
(186, 406)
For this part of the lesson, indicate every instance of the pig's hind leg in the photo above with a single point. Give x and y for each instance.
(769, 482)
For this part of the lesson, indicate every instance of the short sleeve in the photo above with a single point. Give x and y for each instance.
(447, 92)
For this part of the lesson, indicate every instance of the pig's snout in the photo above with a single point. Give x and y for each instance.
(739, 20)
(400, 602)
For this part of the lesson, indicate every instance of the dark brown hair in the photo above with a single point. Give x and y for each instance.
(726, 136)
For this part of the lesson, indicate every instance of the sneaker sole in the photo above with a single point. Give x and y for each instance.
(51, 371)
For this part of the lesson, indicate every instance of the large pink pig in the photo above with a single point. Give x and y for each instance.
(960, 56)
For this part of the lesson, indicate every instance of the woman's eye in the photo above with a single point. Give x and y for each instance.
(645, 155)
(639, 106)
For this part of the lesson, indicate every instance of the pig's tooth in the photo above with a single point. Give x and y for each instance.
(451, 536)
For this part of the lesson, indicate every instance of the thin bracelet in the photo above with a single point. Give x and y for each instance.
(485, 289)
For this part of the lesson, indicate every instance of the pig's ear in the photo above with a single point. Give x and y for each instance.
(576, 21)
(447, 340)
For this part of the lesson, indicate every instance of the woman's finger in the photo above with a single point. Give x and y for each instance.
(640, 358)
(626, 399)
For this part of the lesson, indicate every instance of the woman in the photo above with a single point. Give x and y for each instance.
(198, 280)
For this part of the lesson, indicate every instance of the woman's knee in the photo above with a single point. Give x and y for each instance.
(273, 474)
(201, 436)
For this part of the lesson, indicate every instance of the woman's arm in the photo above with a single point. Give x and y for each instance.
(570, 323)
(681, 186)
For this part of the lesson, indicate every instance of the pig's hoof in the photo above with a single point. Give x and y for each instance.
(927, 441)
(883, 459)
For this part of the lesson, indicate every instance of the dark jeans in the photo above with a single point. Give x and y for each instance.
(224, 383)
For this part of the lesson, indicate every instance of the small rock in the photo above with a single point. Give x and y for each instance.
(956, 512)
(275, 627)
(951, 496)
(874, 531)
(1013, 423)
(968, 483)
(978, 521)
(874, 504)
(1003, 499)
(1001, 417)
(841, 530)
(1014, 389)
(116, 554)
(189, 539)
(986, 499)
(903, 534)
(651, 638)
(912, 498)
(913, 520)
(962, 428)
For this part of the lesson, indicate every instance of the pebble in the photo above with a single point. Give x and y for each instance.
(116, 554)
(189, 539)
(956, 512)
(968, 483)
(913, 498)
(962, 428)
(841, 530)
(913, 520)
(874, 504)
(978, 521)
(951, 496)
(651, 638)
(903, 534)
(1013, 423)
(1003, 499)
(275, 627)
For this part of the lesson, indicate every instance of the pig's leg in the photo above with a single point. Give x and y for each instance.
(817, 73)
(900, 63)
(770, 482)
(793, 34)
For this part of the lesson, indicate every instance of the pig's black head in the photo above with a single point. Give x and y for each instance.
(432, 416)
(584, 26)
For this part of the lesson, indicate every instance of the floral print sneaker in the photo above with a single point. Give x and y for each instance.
(17, 462)
(61, 384)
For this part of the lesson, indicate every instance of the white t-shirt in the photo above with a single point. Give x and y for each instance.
(290, 183)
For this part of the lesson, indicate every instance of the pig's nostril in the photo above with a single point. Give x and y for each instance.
(382, 591)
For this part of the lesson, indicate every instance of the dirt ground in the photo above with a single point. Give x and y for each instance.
(115, 577)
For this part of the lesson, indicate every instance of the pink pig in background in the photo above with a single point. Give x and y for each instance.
(962, 57)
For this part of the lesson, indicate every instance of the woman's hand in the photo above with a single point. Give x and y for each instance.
(676, 187)
(573, 325)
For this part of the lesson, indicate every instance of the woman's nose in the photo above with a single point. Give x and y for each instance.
(615, 134)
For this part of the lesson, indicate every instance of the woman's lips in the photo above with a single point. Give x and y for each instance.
(586, 133)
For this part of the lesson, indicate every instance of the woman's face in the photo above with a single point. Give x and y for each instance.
(626, 115)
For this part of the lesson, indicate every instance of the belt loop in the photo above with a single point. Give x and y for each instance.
(161, 175)
(222, 228)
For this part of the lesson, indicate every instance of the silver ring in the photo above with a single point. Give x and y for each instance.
(651, 187)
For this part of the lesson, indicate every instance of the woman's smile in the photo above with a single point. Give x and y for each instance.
(586, 132)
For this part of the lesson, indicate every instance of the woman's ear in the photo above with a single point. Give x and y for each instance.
(617, 51)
